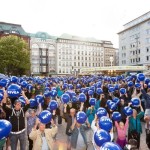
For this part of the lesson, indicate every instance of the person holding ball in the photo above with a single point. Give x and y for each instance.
(43, 138)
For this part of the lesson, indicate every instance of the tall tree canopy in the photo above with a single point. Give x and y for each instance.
(14, 55)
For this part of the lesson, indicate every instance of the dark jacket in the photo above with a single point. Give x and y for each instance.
(68, 119)
(147, 99)
(17, 121)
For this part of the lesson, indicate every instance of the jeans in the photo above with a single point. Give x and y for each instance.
(68, 142)
(30, 143)
(148, 137)
(14, 141)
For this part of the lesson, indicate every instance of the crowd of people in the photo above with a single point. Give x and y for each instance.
(100, 112)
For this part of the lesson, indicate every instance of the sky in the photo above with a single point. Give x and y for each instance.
(101, 19)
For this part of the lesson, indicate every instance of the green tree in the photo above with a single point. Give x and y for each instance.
(14, 55)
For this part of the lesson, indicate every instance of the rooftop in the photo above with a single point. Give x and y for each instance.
(12, 28)
(77, 38)
(42, 35)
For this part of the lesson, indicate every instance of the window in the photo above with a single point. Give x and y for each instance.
(147, 40)
(148, 31)
(139, 51)
(78, 63)
(74, 63)
(147, 58)
(147, 49)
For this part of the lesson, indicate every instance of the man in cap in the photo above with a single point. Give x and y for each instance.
(17, 119)
(147, 127)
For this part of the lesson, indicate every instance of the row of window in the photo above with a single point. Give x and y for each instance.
(81, 52)
(135, 52)
(79, 43)
(135, 60)
(81, 64)
(80, 47)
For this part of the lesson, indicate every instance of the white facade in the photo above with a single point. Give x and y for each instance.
(43, 55)
(74, 53)
(134, 42)
(68, 54)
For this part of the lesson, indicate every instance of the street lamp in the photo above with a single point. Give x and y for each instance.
(111, 60)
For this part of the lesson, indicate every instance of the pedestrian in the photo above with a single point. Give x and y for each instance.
(135, 127)
(17, 119)
(78, 136)
(69, 119)
(31, 120)
(121, 132)
(42, 137)
(147, 128)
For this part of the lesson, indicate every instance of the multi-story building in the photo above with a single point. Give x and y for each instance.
(43, 54)
(14, 29)
(117, 57)
(134, 42)
(109, 53)
(74, 53)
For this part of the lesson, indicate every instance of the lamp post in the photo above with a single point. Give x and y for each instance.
(111, 61)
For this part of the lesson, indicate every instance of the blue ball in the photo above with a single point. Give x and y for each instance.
(112, 106)
(90, 92)
(22, 100)
(123, 91)
(74, 99)
(81, 117)
(39, 98)
(116, 116)
(110, 146)
(45, 117)
(5, 128)
(147, 80)
(111, 89)
(130, 84)
(128, 111)
(65, 98)
(24, 84)
(92, 101)
(135, 102)
(141, 77)
(116, 86)
(82, 97)
(92, 88)
(53, 105)
(105, 123)
(47, 94)
(116, 100)
(78, 86)
(3, 82)
(33, 103)
(101, 112)
(101, 137)
(53, 93)
(14, 91)
(1, 97)
(29, 87)
(99, 91)
(71, 87)
(137, 85)
(14, 79)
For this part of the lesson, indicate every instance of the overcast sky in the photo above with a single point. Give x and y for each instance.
(101, 19)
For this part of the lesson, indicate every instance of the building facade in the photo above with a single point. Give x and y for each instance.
(134, 42)
(74, 53)
(43, 54)
(7, 29)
